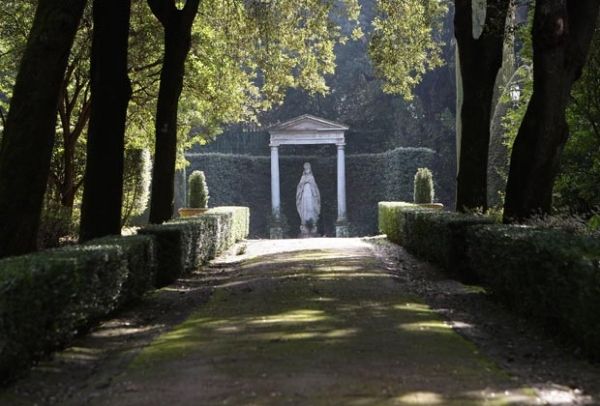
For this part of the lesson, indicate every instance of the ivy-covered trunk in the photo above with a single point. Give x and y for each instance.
(29, 133)
(111, 91)
(480, 60)
(562, 34)
(177, 26)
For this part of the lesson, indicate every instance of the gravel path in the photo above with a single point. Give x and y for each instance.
(312, 322)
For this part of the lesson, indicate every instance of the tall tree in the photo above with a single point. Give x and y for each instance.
(29, 131)
(562, 34)
(177, 24)
(480, 59)
(111, 91)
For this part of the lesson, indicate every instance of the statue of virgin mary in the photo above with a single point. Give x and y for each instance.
(308, 202)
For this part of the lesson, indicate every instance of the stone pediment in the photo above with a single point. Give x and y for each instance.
(307, 122)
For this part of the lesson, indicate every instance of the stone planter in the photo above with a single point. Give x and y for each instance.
(191, 212)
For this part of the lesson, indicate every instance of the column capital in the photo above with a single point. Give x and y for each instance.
(274, 146)
(341, 145)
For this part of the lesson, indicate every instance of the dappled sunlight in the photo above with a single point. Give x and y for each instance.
(429, 326)
(421, 398)
(292, 317)
(306, 317)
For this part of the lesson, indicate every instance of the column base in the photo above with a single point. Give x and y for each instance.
(342, 229)
(276, 233)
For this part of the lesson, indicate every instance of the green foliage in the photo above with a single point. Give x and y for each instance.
(197, 190)
(423, 191)
(441, 237)
(406, 42)
(48, 297)
(183, 245)
(136, 182)
(548, 275)
(170, 260)
(391, 219)
(245, 180)
(578, 184)
(140, 253)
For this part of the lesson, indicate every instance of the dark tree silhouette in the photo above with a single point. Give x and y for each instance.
(562, 34)
(111, 91)
(177, 24)
(480, 61)
(29, 133)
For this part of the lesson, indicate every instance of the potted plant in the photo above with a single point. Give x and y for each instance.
(424, 192)
(197, 195)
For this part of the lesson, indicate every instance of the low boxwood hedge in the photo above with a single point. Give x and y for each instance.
(551, 275)
(140, 254)
(391, 219)
(46, 298)
(441, 237)
(170, 254)
(184, 244)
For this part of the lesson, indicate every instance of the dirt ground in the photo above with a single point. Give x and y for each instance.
(313, 322)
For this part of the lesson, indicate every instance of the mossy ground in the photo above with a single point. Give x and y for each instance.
(320, 326)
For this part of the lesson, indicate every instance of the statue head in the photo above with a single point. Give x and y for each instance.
(307, 168)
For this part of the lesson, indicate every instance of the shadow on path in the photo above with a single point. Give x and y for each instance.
(325, 324)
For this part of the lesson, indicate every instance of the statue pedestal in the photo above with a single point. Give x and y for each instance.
(342, 229)
(308, 232)
(276, 232)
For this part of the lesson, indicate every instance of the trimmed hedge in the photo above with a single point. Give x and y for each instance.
(246, 180)
(550, 275)
(185, 244)
(46, 298)
(140, 253)
(441, 237)
(391, 219)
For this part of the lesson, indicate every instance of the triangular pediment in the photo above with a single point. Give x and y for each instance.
(307, 122)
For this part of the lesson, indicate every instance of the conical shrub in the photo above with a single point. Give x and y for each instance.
(424, 192)
(197, 190)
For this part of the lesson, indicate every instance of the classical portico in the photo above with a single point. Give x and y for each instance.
(309, 130)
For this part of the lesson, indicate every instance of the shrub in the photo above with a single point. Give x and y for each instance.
(198, 191)
(140, 254)
(46, 298)
(391, 219)
(441, 237)
(423, 186)
(550, 275)
(184, 244)
(170, 255)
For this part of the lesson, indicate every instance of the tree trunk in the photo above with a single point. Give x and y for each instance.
(562, 34)
(111, 91)
(480, 60)
(26, 148)
(177, 26)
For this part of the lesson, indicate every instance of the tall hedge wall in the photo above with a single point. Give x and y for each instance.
(244, 180)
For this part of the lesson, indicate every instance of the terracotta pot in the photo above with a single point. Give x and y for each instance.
(191, 212)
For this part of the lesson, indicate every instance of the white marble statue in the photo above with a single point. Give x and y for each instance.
(308, 202)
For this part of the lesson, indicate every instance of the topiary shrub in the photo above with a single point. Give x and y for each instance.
(197, 191)
(423, 192)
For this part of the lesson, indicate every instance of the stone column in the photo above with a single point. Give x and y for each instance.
(275, 228)
(341, 229)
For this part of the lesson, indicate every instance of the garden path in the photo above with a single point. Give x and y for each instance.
(301, 322)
